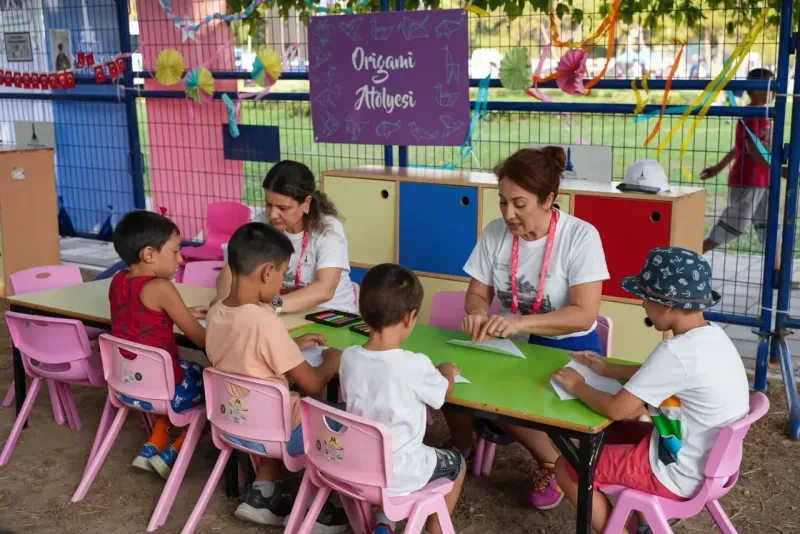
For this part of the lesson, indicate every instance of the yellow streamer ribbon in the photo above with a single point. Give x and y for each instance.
(641, 102)
(717, 84)
(478, 11)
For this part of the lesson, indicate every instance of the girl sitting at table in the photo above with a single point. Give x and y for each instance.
(547, 269)
(319, 270)
(145, 305)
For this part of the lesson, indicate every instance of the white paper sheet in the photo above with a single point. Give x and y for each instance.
(458, 379)
(202, 322)
(313, 355)
(498, 346)
(602, 383)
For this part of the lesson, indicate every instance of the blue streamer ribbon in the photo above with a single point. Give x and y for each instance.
(759, 145)
(234, 128)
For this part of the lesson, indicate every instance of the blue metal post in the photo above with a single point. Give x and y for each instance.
(402, 152)
(135, 150)
(388, 150)
(784, 38)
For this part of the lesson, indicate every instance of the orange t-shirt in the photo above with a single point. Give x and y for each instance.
(252, 341)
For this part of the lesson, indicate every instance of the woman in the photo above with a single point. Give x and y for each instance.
(319, 271)
(547, 269)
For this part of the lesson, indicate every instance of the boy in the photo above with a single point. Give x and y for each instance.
(382, 382)
(694, 384)
(145, 305)
(748, 178)
(247, 339)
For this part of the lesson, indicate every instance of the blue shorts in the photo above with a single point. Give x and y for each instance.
(590, 341)
(188, 394)
(294, 447)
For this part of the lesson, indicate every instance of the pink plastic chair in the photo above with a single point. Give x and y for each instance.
(143, 376)
(41, 279)
(356, 462)
(222, 220)
(447, 309)
(202, 273)
(357, 292)
(247, 414)
(485, 449)
(56, 350)
(721, 473)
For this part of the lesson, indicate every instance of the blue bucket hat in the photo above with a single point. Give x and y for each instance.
(674, 277)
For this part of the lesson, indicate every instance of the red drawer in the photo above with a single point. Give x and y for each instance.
(629, 229)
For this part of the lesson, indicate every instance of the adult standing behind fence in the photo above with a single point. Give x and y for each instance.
(319, 270)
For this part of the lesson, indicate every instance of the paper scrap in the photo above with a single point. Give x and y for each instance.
(458, 379)
(602, 383)
(313, 355)
(202, 322)
(498, 346)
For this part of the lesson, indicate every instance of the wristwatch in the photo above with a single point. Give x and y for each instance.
(277, 304)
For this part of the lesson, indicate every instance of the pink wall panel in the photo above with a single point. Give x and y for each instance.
(187, 167)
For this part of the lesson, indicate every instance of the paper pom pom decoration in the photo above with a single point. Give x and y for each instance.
(571, 71)
(199, 85)
(267, 68)
(169, 67)
(515, 70)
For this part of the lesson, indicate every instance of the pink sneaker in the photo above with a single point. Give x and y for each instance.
(545, 494)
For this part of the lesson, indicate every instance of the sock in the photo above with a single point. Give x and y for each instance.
(178, 443)
(266, 487)
(381, 519)
(160, 435)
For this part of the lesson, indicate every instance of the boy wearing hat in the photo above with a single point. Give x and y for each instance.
(694, 384)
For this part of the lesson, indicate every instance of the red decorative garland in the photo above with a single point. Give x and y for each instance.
(63, 79)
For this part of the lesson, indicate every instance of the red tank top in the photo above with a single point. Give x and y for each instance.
(133, 321)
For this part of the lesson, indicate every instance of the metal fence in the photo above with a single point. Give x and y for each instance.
(137, 145)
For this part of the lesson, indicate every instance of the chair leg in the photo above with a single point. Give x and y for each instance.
(208, 490)
(419, 515)
(477, 457)
(300, 504)
(307, 526)
(16, 430)
(445, 522)
(179, 469)
(94, 466)
(488, 459)
(72, 406)
(9, 398)
(369, 515)
(102, 430)
(720, 518)
(55, 401)
(355, 515)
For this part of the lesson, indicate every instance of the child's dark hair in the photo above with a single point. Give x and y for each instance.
(294, 180)
(255, 244)
(761, 74)
(141, 229)
(388, 293)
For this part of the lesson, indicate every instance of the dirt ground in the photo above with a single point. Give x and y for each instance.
(45, 469)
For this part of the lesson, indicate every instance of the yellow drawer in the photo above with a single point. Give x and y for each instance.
(433, 286)
(491, 205)
(369, 210)
(632, 340)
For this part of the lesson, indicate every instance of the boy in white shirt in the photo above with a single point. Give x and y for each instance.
(694, 384)
(389, 385)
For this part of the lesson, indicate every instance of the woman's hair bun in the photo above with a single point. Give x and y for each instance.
(557, 156)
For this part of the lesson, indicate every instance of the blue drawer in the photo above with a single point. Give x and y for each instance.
(357, 274)
(438, 227)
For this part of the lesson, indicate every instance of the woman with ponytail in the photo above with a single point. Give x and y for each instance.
(318, 274)
(547, 269)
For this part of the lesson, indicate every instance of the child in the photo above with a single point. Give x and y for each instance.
(382, 382)
(144, 307)
(694, 384)
(248, 339)
(748, 178)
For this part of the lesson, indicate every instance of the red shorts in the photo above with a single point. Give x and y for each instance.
(625, 460)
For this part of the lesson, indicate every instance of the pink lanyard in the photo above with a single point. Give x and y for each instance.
(551, 234)
(303, 248)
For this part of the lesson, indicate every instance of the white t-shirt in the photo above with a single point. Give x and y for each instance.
(392, 388)
(326, 250)
(577, 258)
(695, 384)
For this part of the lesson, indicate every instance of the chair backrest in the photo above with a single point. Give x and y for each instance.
(139, 372)
(43, 278)
(447, 309)
(605, 329)
(54, 348)
(726, 454)
(356, 292)
(247, 413)
(356, 459)
(223, 219)
(202, 273)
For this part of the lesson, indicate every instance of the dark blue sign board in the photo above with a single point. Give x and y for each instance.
(255, 143)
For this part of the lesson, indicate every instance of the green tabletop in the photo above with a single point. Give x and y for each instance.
(506, 385)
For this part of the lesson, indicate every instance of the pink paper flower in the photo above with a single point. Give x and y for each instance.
(572, 70)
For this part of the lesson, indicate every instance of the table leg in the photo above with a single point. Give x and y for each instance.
(588, 454)
(232, 475)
